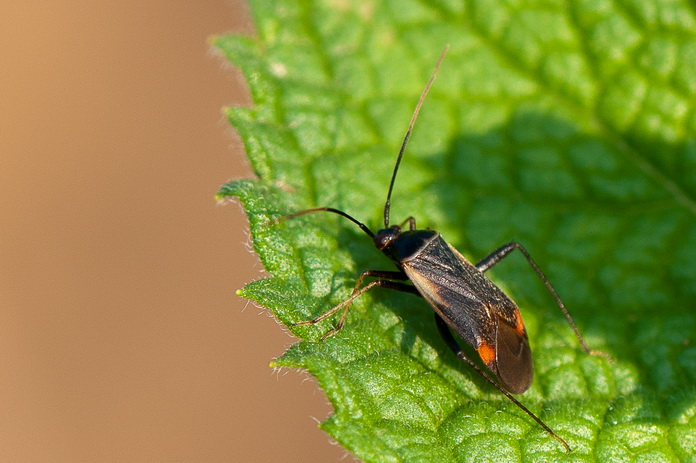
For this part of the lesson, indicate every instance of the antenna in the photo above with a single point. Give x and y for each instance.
(387, 205)
(362, 226)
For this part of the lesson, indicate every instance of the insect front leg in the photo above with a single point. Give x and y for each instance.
(385, 279)
(497, 255)
(411, 223)
(454, 346)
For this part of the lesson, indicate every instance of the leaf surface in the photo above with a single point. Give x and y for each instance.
(568, 127)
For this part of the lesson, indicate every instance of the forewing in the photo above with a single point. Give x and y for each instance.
(513, 358)
(476, 309)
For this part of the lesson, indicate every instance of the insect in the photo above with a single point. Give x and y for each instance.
(464, 299)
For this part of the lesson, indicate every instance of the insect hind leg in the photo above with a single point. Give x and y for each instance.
(500, 253)
(385, 279)
(456, 348)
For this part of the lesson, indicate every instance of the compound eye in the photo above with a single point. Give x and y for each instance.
(384, 238)
(382, 241)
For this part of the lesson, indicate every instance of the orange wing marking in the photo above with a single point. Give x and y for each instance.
(487, 354)
(519, 324)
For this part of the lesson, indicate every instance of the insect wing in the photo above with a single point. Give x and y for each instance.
(476, 309)
(513, 358)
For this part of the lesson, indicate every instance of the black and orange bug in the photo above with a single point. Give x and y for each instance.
(464, 299)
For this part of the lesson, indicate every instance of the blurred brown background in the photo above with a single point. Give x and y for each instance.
(121, 338)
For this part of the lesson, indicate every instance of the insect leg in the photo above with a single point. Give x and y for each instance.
(454, 346)
(385, 280)
(411, 223)
(497, 255)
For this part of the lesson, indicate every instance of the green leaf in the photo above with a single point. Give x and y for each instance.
(567, 126)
